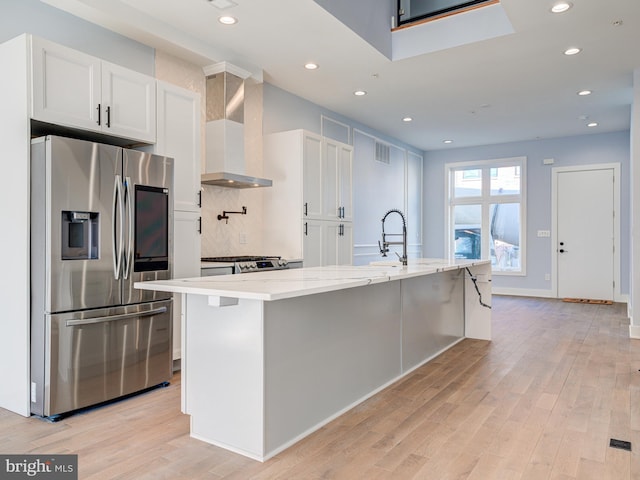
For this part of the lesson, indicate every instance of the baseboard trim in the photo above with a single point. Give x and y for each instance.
(530, 292)
(522, 292)
(634, 331)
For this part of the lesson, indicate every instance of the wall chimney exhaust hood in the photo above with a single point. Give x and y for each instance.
(225, 160)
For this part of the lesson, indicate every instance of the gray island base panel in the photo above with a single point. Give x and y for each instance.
(259, 375)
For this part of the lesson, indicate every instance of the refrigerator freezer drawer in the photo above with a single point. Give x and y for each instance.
(103, 354)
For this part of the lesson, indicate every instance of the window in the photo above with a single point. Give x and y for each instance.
(486, 213)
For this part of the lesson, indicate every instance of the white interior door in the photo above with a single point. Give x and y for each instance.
(585, 234)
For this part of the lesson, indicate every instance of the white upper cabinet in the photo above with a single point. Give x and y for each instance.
(312, 175)
(73, 89)
(179, 138)
(337, 167)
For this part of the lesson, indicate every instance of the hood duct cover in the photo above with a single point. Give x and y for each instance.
(225, 159)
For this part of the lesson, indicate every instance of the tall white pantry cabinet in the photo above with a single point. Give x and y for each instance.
(309, 209)
(179, 138)
(45, 87)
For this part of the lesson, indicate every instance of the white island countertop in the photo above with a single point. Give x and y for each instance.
(290, 283)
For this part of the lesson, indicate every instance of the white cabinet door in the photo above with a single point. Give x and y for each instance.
(179, 137)
(330, 240)
(337, 238)
(345, 244)
(186, 262)
(65, 86)
(337, 165)
(312, 169)
(312, 242)
(345, 181)
(128, 103)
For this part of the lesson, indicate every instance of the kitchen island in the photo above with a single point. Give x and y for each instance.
(269, 357)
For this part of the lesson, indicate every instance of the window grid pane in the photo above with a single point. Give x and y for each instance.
(505, 180)
(505, 237)
(468, 183)
(467, 231)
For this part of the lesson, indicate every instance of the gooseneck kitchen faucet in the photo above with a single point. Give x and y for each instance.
(384, 246)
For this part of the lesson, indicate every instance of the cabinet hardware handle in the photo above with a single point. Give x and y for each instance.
(99, 113)
(200, 225)
(305, 229)
(199, 198)
(306, 209)
(109, 117)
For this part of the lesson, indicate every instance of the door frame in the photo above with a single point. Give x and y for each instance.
(617, 297)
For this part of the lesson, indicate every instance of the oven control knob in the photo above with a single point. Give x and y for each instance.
(253, 265)
(282, 262)
(241, 266)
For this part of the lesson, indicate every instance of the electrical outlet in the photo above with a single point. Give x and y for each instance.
(544, 233)
(243, 239)
(547, 276)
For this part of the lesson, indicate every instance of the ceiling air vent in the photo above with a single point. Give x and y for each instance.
(382, 153)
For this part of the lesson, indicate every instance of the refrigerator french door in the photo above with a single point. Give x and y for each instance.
(101, 219)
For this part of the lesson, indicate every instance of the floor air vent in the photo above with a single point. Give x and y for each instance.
(621, 444)
(382, 153)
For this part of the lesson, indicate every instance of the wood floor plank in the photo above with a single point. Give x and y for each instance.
(540, 401)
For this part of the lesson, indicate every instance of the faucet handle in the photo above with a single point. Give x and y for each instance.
(383, 250)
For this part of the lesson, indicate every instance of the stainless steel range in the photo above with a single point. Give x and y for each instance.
(245, 264)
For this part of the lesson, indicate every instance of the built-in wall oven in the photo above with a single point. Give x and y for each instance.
(101, 220)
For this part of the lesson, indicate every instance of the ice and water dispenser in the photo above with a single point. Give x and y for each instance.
(80, 235)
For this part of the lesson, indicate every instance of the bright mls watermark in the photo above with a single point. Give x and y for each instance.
(52, 467)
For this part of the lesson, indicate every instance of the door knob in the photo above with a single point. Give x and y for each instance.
(562, 250)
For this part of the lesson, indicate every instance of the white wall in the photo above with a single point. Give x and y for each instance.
(634, 254)
(32, 16)
(567, 151)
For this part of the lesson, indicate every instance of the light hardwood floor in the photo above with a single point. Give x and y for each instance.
(540, 401)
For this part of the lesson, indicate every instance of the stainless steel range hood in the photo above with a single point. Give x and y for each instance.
(233, 180)
(225, 159)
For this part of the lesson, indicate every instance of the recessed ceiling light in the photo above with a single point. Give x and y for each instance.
(311, 66)
(592, 124)
(228, 20)
(560, 7)
(407, 119)
(447, 141)
(572, 51)
(359, 93)
(584, 93)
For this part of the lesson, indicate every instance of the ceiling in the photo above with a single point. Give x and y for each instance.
(513, 87)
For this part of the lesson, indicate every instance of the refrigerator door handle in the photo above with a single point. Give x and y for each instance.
(129, 252)
(117, 241)
(111, 318)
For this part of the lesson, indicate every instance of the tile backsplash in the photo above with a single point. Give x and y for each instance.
(240, 234)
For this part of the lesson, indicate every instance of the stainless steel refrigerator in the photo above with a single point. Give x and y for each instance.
(101, 219)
